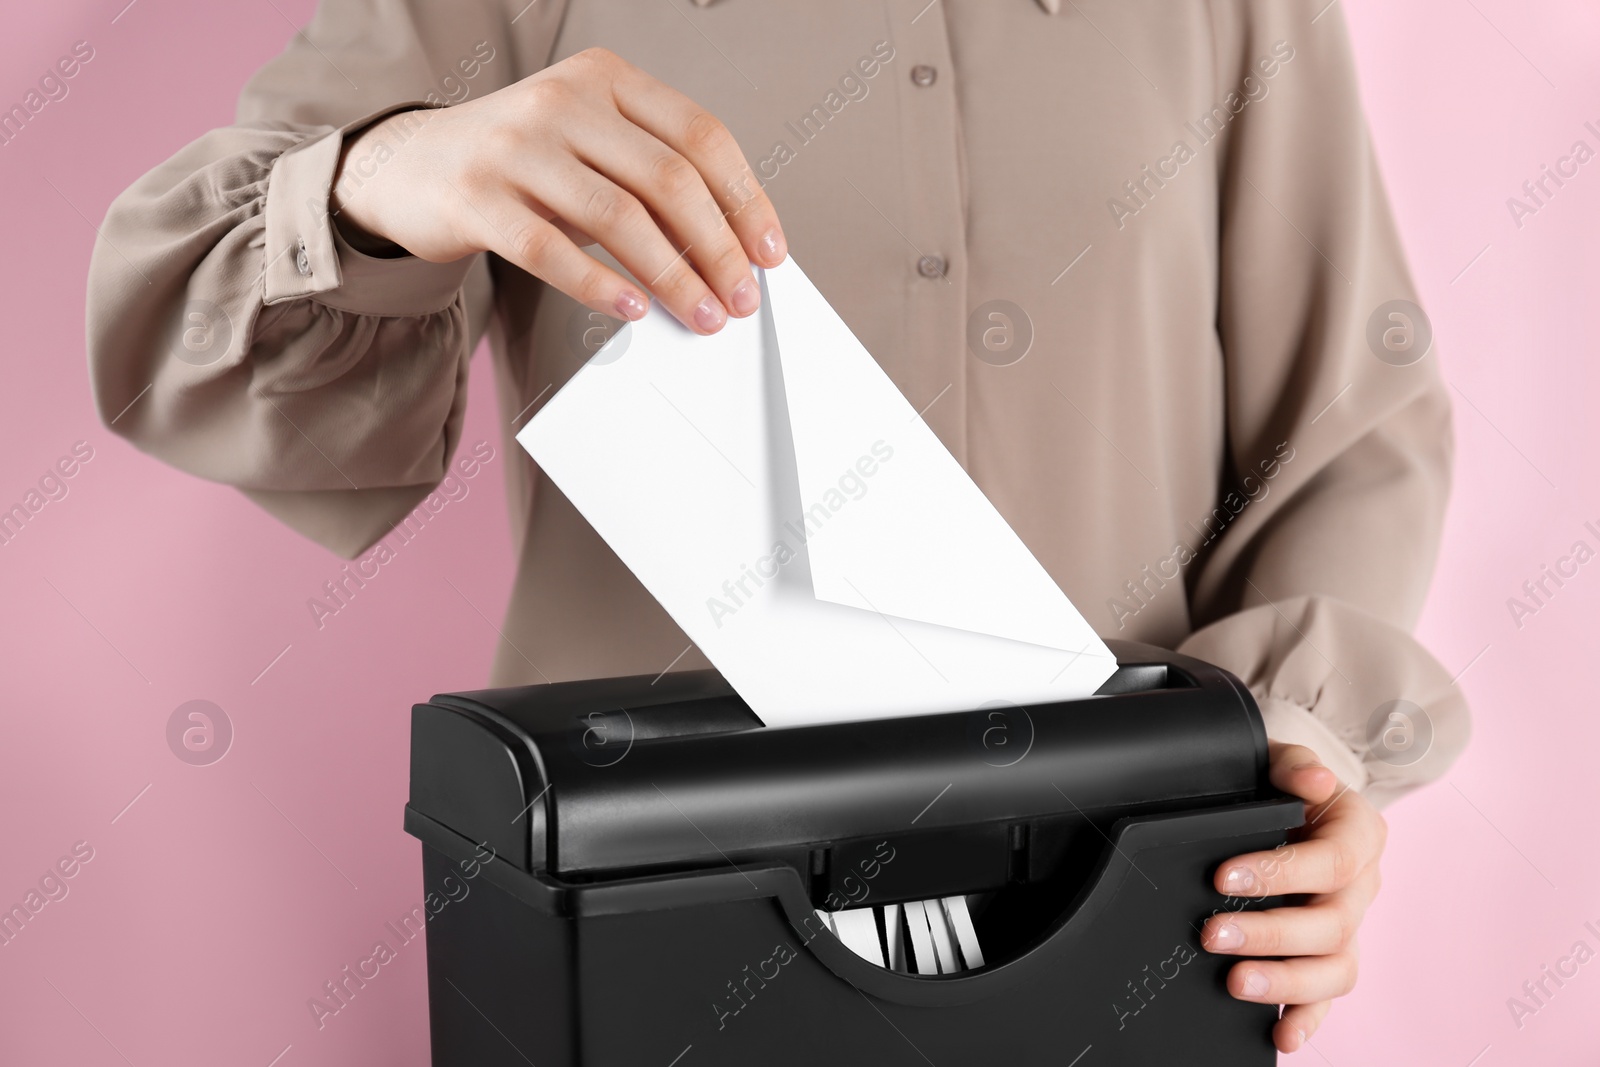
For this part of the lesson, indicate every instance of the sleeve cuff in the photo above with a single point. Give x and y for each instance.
(1292, 724)
(306, 256)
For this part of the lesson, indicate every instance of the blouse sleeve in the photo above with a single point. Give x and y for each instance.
(1339, 441)
(234, 333)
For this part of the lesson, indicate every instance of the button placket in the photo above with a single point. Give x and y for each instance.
(935, 362)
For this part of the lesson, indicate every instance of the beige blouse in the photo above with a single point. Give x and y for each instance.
(1132, 260)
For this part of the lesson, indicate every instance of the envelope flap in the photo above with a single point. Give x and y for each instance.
(894, 524)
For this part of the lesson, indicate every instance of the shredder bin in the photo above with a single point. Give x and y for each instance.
(659, 856)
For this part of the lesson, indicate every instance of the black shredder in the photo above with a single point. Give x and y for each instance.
(658, 859)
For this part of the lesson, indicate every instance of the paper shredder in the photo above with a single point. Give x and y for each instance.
(659, 858)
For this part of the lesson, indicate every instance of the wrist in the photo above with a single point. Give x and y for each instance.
(361, 154)
(362, 240)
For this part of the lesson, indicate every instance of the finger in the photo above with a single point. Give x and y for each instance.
(1328, 860)
(1317, 929)
(1309, 931)
(1297, 771)
(579, 238)
(517, 235)
(676, 193)
(698, 136)
(1304, 980)
(1317, 865)
(1298, 1022)
(1347, 809)
(1325, 925)
(621, 223)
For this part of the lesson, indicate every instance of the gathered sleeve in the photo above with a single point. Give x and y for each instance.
(235, 333)
(1339, 441)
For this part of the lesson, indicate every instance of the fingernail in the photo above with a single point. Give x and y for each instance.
(1239, 881)
(709, 316)
(1302, 1034)
(746, 298)
(1227, 936)
(631, 305)
(1256, 984)
(1306, 766)
(773, 244)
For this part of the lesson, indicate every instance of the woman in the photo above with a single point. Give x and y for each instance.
(1132, 262)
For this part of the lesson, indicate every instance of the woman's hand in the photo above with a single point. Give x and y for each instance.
(590, 150)
(1335, 860)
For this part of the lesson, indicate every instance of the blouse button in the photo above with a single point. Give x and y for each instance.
(931, 266)
(924, 75)
(302, 260)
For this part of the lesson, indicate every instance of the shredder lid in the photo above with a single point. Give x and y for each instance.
(594, 778)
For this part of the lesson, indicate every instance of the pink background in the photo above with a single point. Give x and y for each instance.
(224, 896)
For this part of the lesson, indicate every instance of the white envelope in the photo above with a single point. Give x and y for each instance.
(772, 488)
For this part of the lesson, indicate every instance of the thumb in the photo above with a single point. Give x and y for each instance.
(1297, 771)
